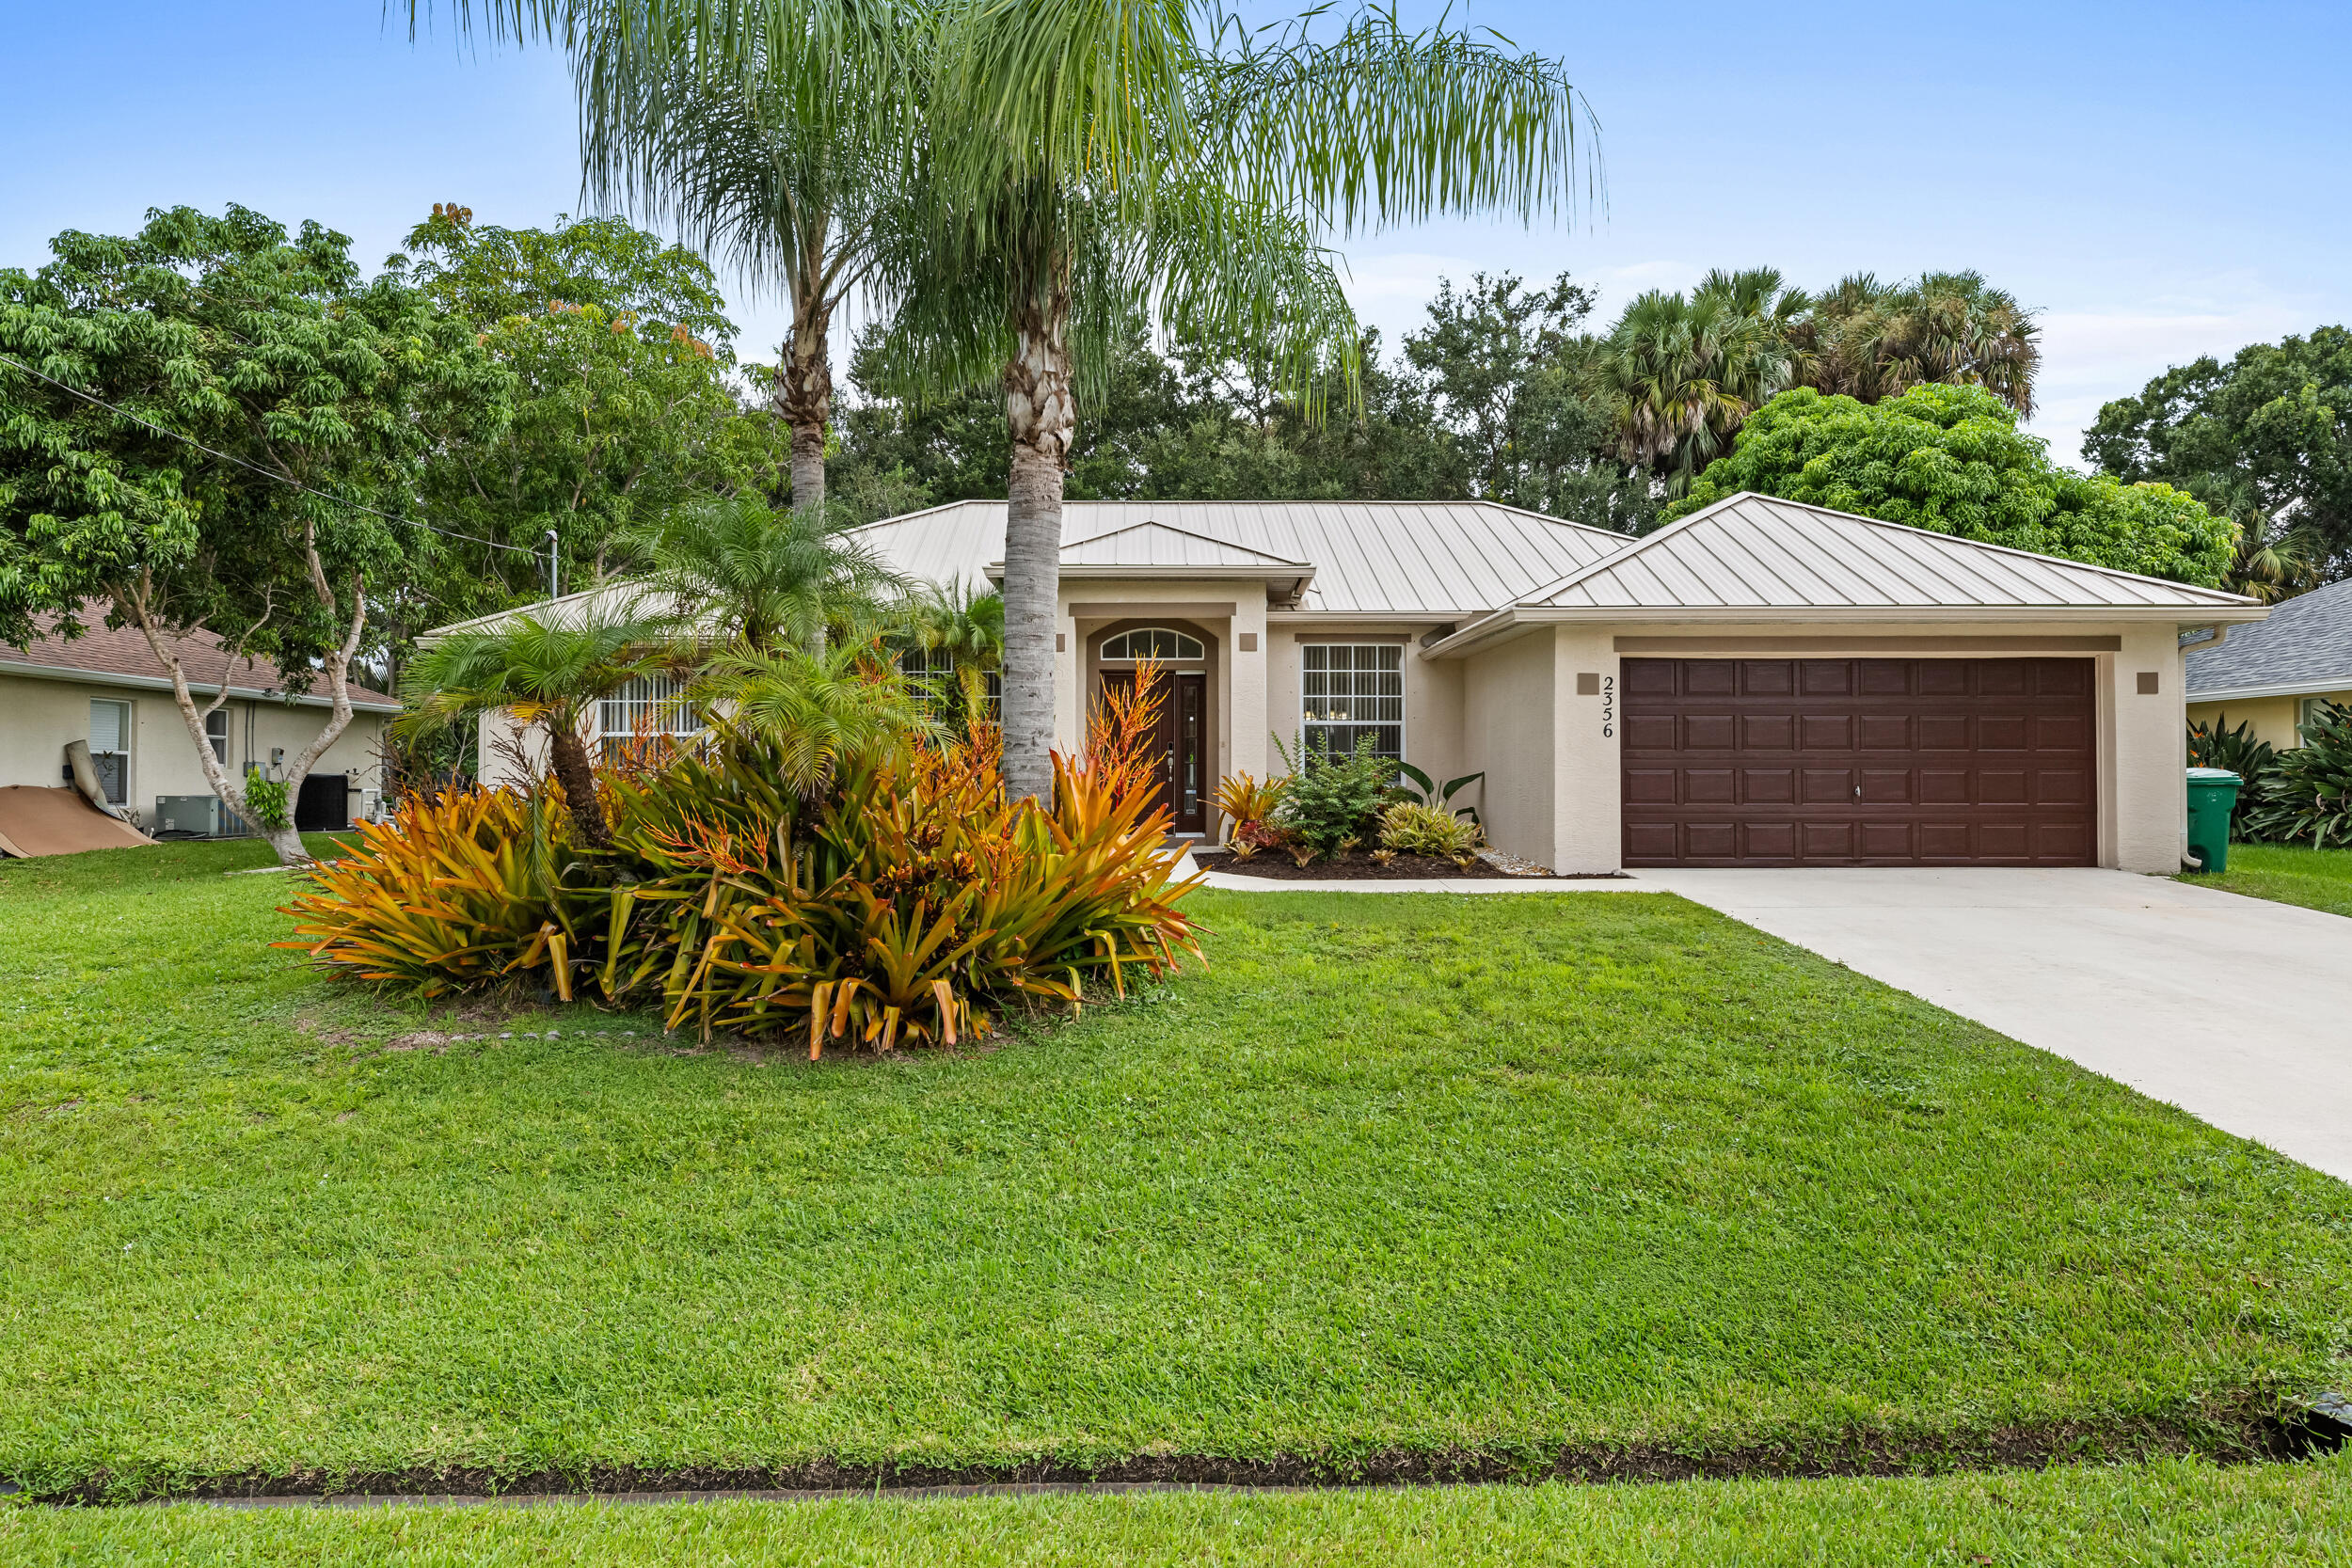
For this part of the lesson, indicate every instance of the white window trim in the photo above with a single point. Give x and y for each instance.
(1306, 718)
(129, 730)
(219, 743)
(673, 720)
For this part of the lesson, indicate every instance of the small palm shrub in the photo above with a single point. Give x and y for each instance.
(2253, 760)
(2309, 791)
(1331, 802)
(906, 905)
(1410, 828)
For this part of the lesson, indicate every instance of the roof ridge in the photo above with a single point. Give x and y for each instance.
(1188, 533)
(1633, 547)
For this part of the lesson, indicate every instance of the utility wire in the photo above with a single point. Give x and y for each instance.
(226, 457)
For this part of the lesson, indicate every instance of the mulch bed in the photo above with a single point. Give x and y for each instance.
(1276, 866)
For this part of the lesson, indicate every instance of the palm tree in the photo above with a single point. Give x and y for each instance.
(1091, 163)
(793, 163)
(965, 628)
(820, 709)
(1868, 341)
(1681, 375)
(738, 570)
(550, 672)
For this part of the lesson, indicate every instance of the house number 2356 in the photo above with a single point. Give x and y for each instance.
(1608, 707)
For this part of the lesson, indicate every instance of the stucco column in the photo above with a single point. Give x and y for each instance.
(1070, 698)
(1243, 702)
(1588, 716)
(2151, 751)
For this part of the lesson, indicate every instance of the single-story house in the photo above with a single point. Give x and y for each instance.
(1762, 683)
(2273, 675)
(107, 688)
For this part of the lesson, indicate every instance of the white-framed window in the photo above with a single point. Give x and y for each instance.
(110, 748)
(217, 734)
(934, 670)
(1163, 645)
(1349, 691)
(651, 707)
(2305, 714)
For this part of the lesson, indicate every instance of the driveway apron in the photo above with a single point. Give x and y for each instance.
(2235, 1010)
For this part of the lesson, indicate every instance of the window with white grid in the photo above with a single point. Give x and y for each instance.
(1349, 691)
(651, 706)
(933, 672)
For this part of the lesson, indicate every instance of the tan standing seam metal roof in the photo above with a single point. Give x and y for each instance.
(1750, 551)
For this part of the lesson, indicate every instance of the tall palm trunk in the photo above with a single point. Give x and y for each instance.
(804, 393)
(1038, 406)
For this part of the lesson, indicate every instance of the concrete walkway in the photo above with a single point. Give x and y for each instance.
(2235, 1010)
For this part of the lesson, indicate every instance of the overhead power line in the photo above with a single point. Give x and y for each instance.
(121, 412)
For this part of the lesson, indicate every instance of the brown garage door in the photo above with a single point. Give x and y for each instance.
(1859, 762)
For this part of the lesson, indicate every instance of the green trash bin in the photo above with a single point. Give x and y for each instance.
(2212, 796)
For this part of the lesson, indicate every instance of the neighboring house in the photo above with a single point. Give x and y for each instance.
(107, 688)
(1762, 683)
(2275, 675)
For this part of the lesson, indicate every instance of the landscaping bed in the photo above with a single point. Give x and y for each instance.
(1275, 866)
(1496, 1186)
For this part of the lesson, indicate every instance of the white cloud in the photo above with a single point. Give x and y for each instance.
(2089, 358)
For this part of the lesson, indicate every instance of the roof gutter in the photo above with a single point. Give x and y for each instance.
(160, 682)
(1516, 618)
(2280, 688)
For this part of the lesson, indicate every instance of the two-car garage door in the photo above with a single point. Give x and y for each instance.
(1860, 762)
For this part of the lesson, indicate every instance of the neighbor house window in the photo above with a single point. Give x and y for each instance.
(651, 707)
(2305, 714)
(217, 734)
(1160, 643)
(110, 749)
(1349, 691)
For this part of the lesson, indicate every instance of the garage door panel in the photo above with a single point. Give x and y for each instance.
(1887, 762)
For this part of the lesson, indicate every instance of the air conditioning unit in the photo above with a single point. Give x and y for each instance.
(195, 816)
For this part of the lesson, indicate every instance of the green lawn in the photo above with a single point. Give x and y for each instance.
(2170, 1512)
(1419, 1176)
(2315, 878)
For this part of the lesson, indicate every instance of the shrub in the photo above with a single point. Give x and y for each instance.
(1419, 787)
(2309, 791)
(901, 907)
(1412, 828)
(2253, 760)
(267, 799)
(1327, 801)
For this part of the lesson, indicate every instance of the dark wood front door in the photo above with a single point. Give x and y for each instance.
(1860, 762)
(1180, 741)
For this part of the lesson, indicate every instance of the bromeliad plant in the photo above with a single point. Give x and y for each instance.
(907, 904)
(2253, 761)
(1412, 828)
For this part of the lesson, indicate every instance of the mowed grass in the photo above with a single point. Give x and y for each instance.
(2286, 874)
(1416, 1175)
(2174, 1511)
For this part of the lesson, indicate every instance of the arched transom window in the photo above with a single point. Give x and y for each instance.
(1163, 644)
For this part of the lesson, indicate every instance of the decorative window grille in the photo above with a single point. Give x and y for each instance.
(110, 749)
(650, 708)
(933, 670)
(1161, 644)
(1349, 691)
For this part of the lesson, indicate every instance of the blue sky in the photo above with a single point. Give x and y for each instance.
(2159, 181)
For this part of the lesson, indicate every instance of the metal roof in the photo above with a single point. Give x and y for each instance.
(2305, 645)
(1441, 558)
(1760, 552)
(1158, 544)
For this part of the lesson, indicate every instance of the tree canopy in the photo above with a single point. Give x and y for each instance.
(2266, 438)
(1951, 459)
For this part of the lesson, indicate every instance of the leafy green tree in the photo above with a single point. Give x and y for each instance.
(619, 414)
(276, 417)
(549, 671)
(1509, 371)
(2266, 438)
(1951, 460)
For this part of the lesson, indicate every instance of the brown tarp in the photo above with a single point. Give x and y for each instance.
(37, 821)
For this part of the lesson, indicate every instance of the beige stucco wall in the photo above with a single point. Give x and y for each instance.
(2273, 717)
(1509, 718)
(38, 716)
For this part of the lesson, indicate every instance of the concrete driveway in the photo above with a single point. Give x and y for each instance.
(2237, 1010)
